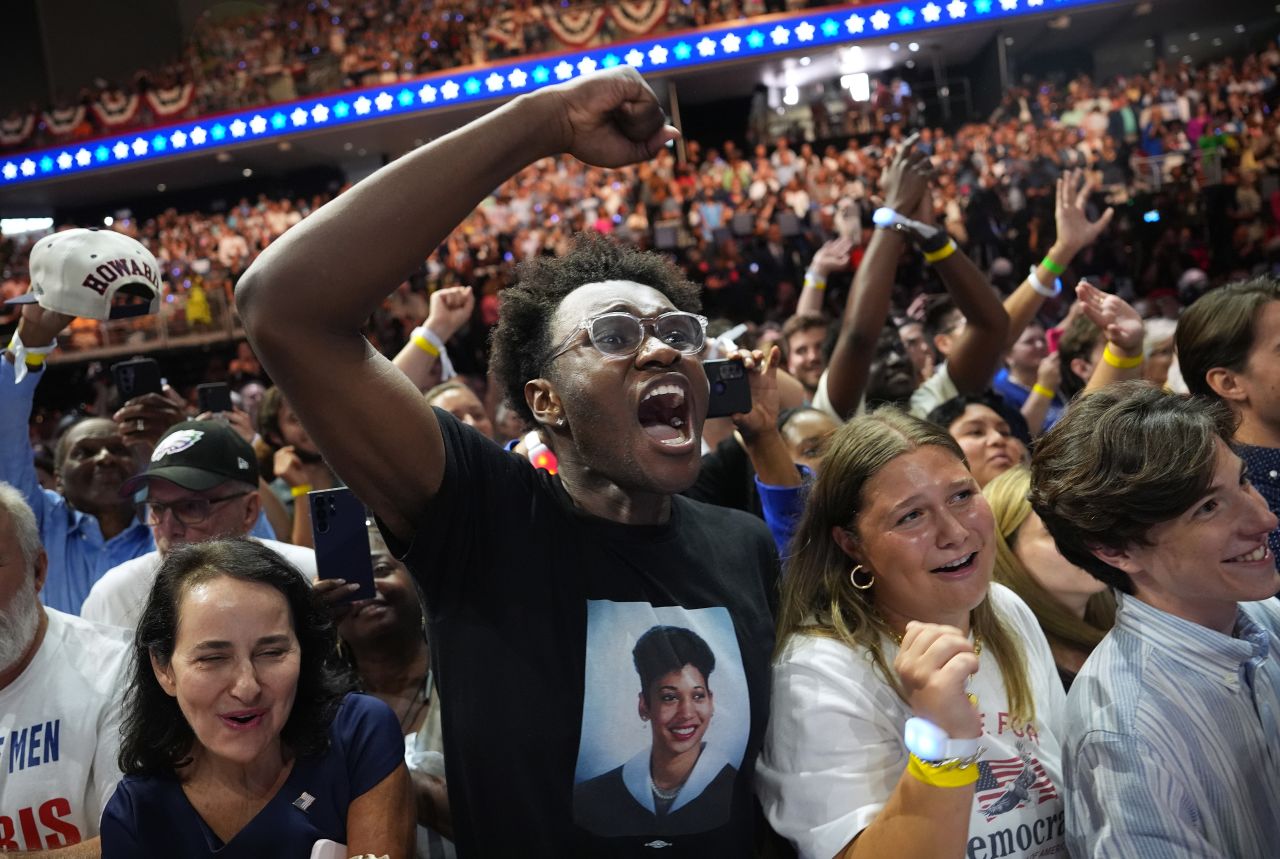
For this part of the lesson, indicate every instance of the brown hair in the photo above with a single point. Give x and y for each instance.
(1078, 341)
(1121, 460)
(798, 323)
(817, 598)
(1007, 495)
(1218, 330)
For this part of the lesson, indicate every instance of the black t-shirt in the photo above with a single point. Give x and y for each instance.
(535, 612)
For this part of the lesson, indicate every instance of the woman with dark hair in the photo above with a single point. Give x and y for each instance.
(679, 783)
(992, 435)
(915, 710)
(237, 736)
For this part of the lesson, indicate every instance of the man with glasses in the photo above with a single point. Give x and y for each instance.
(537, 585)
(201, 484)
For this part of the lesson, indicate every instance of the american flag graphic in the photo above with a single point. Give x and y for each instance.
(1007, 784)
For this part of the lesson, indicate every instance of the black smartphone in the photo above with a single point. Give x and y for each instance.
(730, 388)
(137, 377)
(214, 397)
(342, 539)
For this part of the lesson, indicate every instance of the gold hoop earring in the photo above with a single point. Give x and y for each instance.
(853, 578)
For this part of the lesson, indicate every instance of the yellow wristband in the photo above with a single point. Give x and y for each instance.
(300, 490)
(35, 362)
(817, 282)
(942, 776)
(1043, 391)
(425, 345)
(1120, 363)
(940, 254)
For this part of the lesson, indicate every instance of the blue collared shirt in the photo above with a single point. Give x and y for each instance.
(78, 555)
(1172, 744)
(1263, 465)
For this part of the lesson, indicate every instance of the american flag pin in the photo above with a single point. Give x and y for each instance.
(303, 802)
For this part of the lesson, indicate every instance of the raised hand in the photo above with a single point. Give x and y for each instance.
(143, 420)
(1049, 374)
(40, 327)
(832, 256)
(762, 374)
(934, 663)
(1120, 323)
(907, 179)
(451, 309)
(1075, 231)
(610, 118)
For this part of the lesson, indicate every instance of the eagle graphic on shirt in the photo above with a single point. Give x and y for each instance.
(1004, 785)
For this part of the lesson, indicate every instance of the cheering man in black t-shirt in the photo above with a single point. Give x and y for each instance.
(539, 587)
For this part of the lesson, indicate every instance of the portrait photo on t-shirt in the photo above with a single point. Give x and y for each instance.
(665, 720)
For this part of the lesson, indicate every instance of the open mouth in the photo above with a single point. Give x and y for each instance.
(1258, 554)
(959, 565)
(664, 414)
(685, 732)
(243, 720)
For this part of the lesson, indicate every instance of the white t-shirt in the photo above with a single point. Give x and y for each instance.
(120, 596)
(834, 753)
(933, 392)
(60, 734)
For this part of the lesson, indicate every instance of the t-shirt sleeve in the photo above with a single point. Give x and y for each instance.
(371, 741)
(832, 753)
(935, 391)
(822, 400)
(119, 831)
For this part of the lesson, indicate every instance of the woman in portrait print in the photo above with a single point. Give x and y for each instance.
(678, 784)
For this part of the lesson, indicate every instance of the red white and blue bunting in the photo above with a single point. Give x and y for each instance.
(171, 101)
(61, 121)
(114, 108)
(639, 17)
(16, 128)
(574, 27)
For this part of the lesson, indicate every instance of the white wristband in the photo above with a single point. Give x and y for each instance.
(929, 742)
(1041, 289)
(20, 353)
(446, 366)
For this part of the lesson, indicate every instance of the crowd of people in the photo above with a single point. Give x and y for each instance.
(237, 57)
(991, 550)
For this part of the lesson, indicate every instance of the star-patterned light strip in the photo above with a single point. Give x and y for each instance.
(705, 47)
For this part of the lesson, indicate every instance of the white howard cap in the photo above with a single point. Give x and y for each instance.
(86, 273)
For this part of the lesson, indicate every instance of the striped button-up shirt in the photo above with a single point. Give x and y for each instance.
(1172, 745)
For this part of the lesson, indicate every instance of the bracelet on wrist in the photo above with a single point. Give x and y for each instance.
(1043, 391)
(1119, 362)
(816, 281)
(1048, 263)
(424, 344)
(933, 257)
(944, 773)
(1040, 288)
(300, 490)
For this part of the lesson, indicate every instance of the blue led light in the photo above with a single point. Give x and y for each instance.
(720, 43)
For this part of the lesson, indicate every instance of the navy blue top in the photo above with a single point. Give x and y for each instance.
(1016, 396)
(1263, 465)
(151, 816)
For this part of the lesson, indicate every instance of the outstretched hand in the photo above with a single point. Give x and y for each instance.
(39, 327)
(611, 118)
(1075, 231)
(832, 256)
(1120, 323)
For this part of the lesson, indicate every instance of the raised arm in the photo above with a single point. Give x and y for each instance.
(304, 299)
(1123, 328)
(832, 256)
(977, 352)
(450, 309)
(1074, 233)
(867, 308)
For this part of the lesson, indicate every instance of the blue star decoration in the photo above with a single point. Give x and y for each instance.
(609, 61)
(278, 121)
(541, 75)
(982, 7)
(830, 28)
(341, 110)
(472, 86)
(682, 51)
(101, 153)
(755, 39)
(906, 17)
(158, 143)
(405, 98)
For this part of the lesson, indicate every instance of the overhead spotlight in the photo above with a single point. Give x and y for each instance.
(804, 61)
(1008, 40)
(284, 146)
(1150, 43)
(893, 46)
(791, 96)
(246, 172)
(1062, 22)
(858, 85)
(347, 147)
(1239, 28)
(223, 157)
(913, 46)
(1195, 37)
(108, 221)
(1217, 41)
(160, 187)
(911, 64)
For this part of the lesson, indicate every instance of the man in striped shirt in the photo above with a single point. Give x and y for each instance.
(1172, 740)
